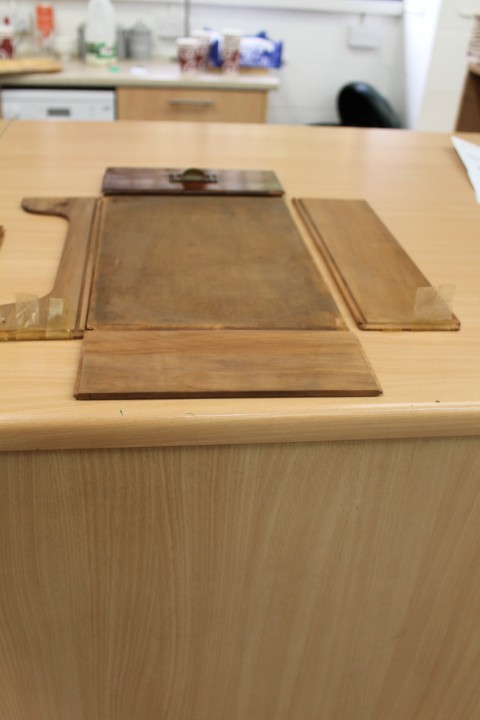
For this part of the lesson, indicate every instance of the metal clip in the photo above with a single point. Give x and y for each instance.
(193, 175)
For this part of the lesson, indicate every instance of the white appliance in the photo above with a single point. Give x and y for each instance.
(57, 104)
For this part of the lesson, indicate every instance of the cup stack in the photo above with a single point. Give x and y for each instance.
(187, 52)
(231, 51)
(203, 48)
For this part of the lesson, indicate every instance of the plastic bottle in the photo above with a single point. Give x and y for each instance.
(100, 33)
(44, 26)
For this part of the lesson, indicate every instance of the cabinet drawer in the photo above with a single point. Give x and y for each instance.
(192, 105)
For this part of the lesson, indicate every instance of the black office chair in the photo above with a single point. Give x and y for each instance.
(360, 105)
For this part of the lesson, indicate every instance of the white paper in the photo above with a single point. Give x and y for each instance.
(470, 156)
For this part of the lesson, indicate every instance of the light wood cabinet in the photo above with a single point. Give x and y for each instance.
(251, 558)
(197, 105)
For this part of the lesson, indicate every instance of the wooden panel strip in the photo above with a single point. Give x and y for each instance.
(181, 181)
(377, 278)
(182, 364)
(70, 283)
(15, 66)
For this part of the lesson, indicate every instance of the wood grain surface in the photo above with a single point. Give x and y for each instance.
(15, 66)
(278, 572)
(285, 581)
(415, 182)
(205, 263)
(375, 275)
(232, 363)
(198, 105)
(69, 285)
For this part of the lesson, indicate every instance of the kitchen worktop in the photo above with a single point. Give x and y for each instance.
(425, 201)
(244, 558)
(152, 73)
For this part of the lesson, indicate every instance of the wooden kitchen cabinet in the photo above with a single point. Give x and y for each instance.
(198, 105)
(162, 93)
(249, 558)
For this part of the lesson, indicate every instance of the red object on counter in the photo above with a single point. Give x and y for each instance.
(6, 39)
(44, 20)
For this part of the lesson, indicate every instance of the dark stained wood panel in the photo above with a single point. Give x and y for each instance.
(376, 276)
(182, 364)
(184, 181)
(205, 262)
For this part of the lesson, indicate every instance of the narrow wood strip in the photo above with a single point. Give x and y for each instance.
(162, 181)
(69, 281)
(15, 66)
(377, 278)
(181, 364)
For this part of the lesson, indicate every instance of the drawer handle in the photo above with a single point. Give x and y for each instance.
(192, 102)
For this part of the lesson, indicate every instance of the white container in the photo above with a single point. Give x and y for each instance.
(231, 50)
(187, 53)
(100, 33)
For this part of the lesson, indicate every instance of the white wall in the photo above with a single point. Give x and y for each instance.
(317, 59)
(420, 25)
(439, 106)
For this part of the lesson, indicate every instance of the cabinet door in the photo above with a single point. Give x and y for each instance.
(247, 106)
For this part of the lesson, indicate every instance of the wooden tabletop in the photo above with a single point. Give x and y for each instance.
(415, 183)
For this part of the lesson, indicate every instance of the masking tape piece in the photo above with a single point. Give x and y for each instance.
(27, 312)
(434, 304)
(59, 319)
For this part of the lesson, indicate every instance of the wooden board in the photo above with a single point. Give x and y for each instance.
(181, 364)
(376, 276)
(205, 263)
(60, 313)
(181, 181)
(16, 66)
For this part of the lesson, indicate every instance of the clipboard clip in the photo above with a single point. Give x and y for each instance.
(193, 175)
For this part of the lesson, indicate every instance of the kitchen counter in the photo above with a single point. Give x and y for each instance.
(151, 73)
(250, 558)
(156, 90)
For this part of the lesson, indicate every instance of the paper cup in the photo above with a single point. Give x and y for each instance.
(203, 50)
(187, 52)
(231, 50)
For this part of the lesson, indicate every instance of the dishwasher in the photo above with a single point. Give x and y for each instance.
(57, 104)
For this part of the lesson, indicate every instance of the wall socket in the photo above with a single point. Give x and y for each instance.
(361, 37)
